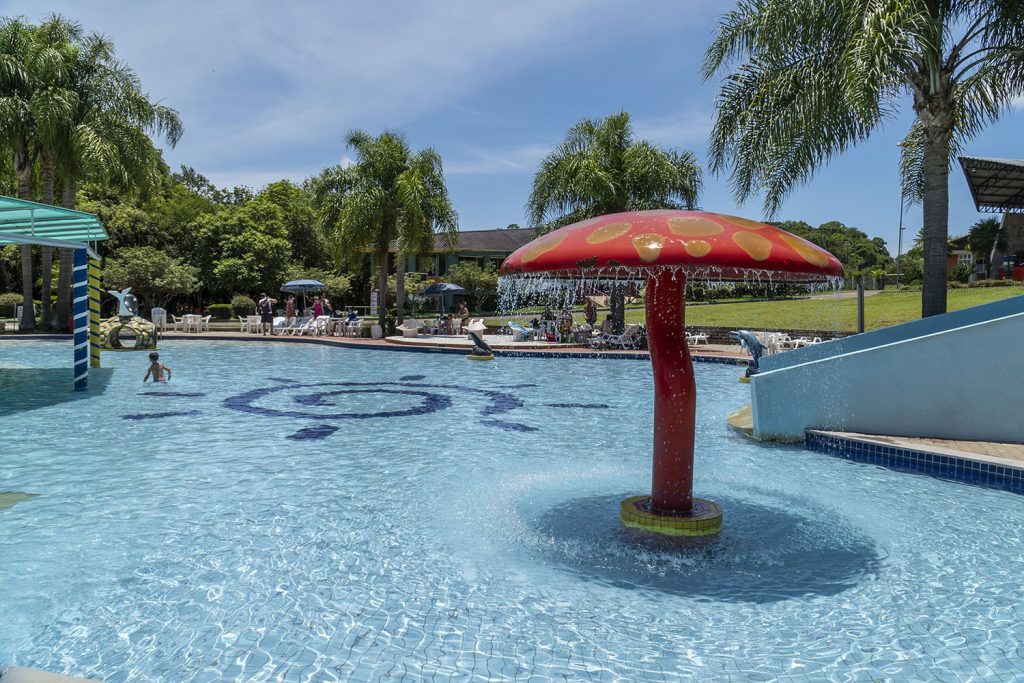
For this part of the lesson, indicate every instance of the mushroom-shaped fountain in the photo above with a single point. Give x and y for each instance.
(665, 248)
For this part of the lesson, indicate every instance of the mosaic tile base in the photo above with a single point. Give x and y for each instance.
(704, 520)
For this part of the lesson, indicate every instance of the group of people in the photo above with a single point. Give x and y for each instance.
(321, 306)
(447, 324)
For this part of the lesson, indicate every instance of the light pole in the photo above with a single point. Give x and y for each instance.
(899, 239)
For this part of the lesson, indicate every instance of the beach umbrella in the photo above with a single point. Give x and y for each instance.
(302, 286)
(440, 289)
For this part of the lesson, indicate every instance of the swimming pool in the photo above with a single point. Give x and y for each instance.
(310, 513)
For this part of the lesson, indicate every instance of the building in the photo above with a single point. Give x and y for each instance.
(482, 247)
(997, 186)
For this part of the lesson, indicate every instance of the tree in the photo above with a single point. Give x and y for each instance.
(986, 237)
(390, 194)
(602, 168)
(478, 282)
(155, 277)
(854, 249)
(105, 137)
(807, 79)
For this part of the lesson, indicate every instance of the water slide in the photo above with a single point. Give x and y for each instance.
(954, 376)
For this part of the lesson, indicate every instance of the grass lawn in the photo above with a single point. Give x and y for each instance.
(880, 310)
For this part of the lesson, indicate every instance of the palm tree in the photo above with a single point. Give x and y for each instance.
(987, 237)
(16, 131)
(105, 136)
(807, 79)
(391, 194)
(602, 168)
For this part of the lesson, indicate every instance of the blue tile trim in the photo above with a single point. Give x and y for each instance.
(979, 473)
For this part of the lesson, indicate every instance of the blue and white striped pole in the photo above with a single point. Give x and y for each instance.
(80, 296)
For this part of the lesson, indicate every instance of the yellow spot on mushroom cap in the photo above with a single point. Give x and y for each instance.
(808, 252)
(648, 246)
(608, 232)
(693, 226)
(757, 247)
(543, 246)
(697, 248)
(744, 222)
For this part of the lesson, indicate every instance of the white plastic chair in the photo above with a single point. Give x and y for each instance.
(204, 323)
(410, 328)
(475, 325)
(243, 323)
(177, 322)
(158, 316)
(309, 325)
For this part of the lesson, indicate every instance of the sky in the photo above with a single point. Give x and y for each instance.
(267, 90)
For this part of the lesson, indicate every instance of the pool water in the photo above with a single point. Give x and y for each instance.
(306, 513)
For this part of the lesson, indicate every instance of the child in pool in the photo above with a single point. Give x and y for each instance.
(156, 368)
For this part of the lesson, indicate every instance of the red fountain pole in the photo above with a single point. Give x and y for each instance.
(675, 393)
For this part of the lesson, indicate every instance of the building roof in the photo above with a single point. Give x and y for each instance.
(25, 222)
(997, 185)
(497, 241)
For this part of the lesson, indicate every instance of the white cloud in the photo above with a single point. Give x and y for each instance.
(252, 78)
(473, 160)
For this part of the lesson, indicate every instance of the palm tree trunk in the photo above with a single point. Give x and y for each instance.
(67, 200)
(936, 223)
(28, 317)
(382, 286)
(23, 167)
(400, 286)
(617, 304)
(46, 266)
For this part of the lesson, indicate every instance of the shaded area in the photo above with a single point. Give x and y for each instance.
(25, 389)
(9, 499)
(765, 553)
(157, 416)
(408, 378)
(171, 393)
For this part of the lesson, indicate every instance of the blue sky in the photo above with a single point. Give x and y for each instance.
(268, 89)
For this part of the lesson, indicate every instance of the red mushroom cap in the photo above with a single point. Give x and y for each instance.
(698, 243)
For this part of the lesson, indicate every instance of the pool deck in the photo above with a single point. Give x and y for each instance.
(449, 344)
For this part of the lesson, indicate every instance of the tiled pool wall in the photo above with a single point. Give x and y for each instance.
(980, 473)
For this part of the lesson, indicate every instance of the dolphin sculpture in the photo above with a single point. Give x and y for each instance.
(480, 347)
(753, 346)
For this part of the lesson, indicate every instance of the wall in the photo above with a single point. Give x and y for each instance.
(964, 383)
(888, 335)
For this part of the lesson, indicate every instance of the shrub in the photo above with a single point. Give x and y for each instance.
(219, 311)
(242, 305)
(9, 304)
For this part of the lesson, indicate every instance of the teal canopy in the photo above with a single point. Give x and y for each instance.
(25, 222)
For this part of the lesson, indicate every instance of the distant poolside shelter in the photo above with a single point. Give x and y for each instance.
(997, 186)
(25, 222)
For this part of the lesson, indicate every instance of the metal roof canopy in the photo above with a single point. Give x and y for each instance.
(997, 185)
(25, 222)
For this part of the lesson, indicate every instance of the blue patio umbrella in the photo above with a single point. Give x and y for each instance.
(303, 286)
(441, 290)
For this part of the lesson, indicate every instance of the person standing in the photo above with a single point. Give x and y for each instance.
(318, 306)
(265, 309)
(590, 312)
(464, 313)
(289, 309)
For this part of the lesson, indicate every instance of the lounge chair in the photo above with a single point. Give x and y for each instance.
(523, 333)
(626, 340)
(302, 326)
(410, 328)
(697, 337)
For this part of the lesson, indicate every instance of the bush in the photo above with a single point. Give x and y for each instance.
(219, 311)
(9, 304)
(242, 305)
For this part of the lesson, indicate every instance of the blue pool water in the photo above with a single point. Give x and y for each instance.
(303, 513)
